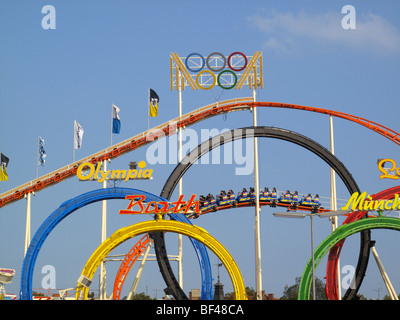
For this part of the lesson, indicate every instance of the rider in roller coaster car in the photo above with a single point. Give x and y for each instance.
(316, 200)
(210, 198)
(274, 197)
(295, 200)
(252, 195)
(232, 198)
(222, 195)
(306, 200)
(265, 192)
(244, 193)
(202, 200)
(286, 197)
(211, 201)
(315, 204)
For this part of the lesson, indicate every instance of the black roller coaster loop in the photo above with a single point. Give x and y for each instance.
(259, 132)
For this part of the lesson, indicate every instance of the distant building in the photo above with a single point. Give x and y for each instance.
(194, 294)
(269, 296)
(219, 291)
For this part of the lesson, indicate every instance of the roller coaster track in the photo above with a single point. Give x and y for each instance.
(70, 206)
(288, 206)
(133, 255)
(127, 264)
(155, 226)
(266, 132)
(334, 238)
(170, 128)
(334, 253)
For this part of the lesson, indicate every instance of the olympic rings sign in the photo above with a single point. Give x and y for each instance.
(216, 79)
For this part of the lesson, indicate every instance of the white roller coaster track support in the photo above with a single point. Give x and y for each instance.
(28, 222)
(103, 292)
(334, 219)
(257, 210)
(139, 273)
(385, 277)
(180, 269)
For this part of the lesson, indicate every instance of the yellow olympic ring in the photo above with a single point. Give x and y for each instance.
(192, 231)
(214, 79)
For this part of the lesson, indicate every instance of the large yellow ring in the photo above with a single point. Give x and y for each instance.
(214, 79)
(192, 231)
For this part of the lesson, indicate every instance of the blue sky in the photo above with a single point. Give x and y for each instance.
(105, 52)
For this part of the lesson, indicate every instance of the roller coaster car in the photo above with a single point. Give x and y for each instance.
(285, 199)
(272, 198)
(306, 203)
(314, 209)
(315, 205)
(243, 197)
(208, 205)
(265, 197)
(227, 200)
(294, 205)
(253, 197)
(294, 202)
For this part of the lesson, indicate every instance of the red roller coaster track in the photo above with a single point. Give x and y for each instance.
(127, 264)
(331, 288)
(170, 128)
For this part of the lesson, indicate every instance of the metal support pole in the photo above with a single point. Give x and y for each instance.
(257, 210)
(139, 273)
(334, 219)
(28, 222)
(180, 271)
(312, 255)
(103, 293)
(385, 277)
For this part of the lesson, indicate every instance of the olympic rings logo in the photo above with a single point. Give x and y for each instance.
(221, 70)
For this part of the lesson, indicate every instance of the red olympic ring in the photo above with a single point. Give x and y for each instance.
(229, 61)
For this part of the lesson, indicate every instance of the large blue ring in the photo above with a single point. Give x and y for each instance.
(82, 200)
(202, 60)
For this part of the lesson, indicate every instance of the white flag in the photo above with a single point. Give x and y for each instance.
(78, 134)
(115, 111)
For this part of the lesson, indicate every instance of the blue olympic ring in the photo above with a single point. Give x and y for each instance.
(202, 60)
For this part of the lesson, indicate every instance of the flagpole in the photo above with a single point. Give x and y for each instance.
(73, 143)
(148, 110)
(111, 122)
(37, 158)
